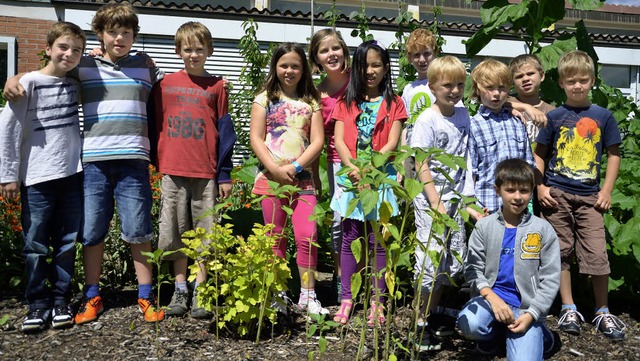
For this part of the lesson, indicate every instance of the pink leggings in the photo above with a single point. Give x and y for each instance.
(304, 230)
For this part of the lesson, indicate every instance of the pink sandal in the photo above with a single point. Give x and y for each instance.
(342, 317)
(376, 314)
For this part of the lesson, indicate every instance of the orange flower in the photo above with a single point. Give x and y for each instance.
(248, 205)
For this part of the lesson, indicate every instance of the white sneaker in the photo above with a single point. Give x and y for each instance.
(313, 306)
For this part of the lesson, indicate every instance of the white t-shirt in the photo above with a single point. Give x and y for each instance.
(451, 134)
(417, 97)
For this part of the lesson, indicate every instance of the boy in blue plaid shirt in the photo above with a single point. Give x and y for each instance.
(495, 133)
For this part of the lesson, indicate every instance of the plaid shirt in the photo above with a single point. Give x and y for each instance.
(493, 138)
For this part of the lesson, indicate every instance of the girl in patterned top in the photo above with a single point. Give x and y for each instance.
(287, 136)
(367, 119)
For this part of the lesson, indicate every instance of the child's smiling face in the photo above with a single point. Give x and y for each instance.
(289, 72)
(527, 80)
(194, 55)
(330, 54)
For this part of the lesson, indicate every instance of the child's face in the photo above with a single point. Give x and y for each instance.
(577, 87)
(515, 198)
(117, 41)
(330, 55)
(493, 96)
(194, 55)
(420, 60)
(448, 92)
(289, 72)
(65, 54)
(527, 80)
(374, 72)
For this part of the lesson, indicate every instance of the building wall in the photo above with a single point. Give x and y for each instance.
(31, 36)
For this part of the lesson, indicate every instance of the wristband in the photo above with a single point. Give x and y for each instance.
(297, 165)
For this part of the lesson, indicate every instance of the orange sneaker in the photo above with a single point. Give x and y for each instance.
(89, 310)
(150, 310)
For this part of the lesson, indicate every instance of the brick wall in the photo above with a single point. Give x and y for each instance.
(32, 38)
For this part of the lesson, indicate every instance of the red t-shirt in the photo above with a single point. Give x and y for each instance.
(187, 109)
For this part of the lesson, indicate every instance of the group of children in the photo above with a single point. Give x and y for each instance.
(514, 262)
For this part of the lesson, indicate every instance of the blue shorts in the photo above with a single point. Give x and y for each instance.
(127, 181)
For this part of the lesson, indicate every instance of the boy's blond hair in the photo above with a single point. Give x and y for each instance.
(448, 68)
(525, 59)
(112, 15)
(314, 46)
(193, 30)
(63, 28)
(420, 39)
(489, 72)
(575, 62)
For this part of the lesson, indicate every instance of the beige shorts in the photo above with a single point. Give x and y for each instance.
(184, 202)
(580, 229)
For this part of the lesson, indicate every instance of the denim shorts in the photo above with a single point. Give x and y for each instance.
(126, 180)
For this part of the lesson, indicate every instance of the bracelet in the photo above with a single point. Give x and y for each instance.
(298, 166)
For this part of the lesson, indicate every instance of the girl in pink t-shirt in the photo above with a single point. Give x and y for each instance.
(329, 53)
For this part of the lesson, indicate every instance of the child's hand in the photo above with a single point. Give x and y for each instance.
(604, 201)
(477, 215)
(537, 117)
(10, 190)
(354, 175)
(544, 197)
(501, 310)
(521, 324)
(95, 52)
(224, 190)
(284, 174)
(13, 90)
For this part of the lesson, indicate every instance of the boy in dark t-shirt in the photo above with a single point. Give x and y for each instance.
(571, 198)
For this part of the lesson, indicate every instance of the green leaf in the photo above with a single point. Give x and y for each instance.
(369, 199)
(322, 344)
(356, 249)
(356, 283)
(636, 251)
(550, 54)
(615, 284)
(586, 4)
(385, 212)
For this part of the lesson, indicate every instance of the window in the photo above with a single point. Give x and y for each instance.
(7, 58)
(618, 76)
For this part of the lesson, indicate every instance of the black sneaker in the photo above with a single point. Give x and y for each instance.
(610, 326)
(549, 341)
(442, 325)
(36, 320)
(62, 317)
(570, 321)
(426, 341)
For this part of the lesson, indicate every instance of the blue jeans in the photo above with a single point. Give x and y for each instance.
(51, 217)
(128, 181)
(477, 322)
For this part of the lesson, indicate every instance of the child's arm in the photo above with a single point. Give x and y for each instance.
(394, 137)
(611, 174)
(501, 311)
(316, 141)
(544, 197)
(343, 152)
(424, 175)
(10, 143)
(284, 174)
(538, 117)
(13, 90)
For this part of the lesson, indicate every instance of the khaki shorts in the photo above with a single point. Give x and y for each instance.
(184, 201)
(580, 229)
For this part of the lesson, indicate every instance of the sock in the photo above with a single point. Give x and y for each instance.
(602, 310)
(307, 294)
(144, 291)
(182, 287)
(91, 291)
(569, 307)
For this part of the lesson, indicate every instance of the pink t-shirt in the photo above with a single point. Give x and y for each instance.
(328, 104)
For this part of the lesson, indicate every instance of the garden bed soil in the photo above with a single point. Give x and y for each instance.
(120, 333)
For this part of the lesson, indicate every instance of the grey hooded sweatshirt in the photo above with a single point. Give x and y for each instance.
(536, 260)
